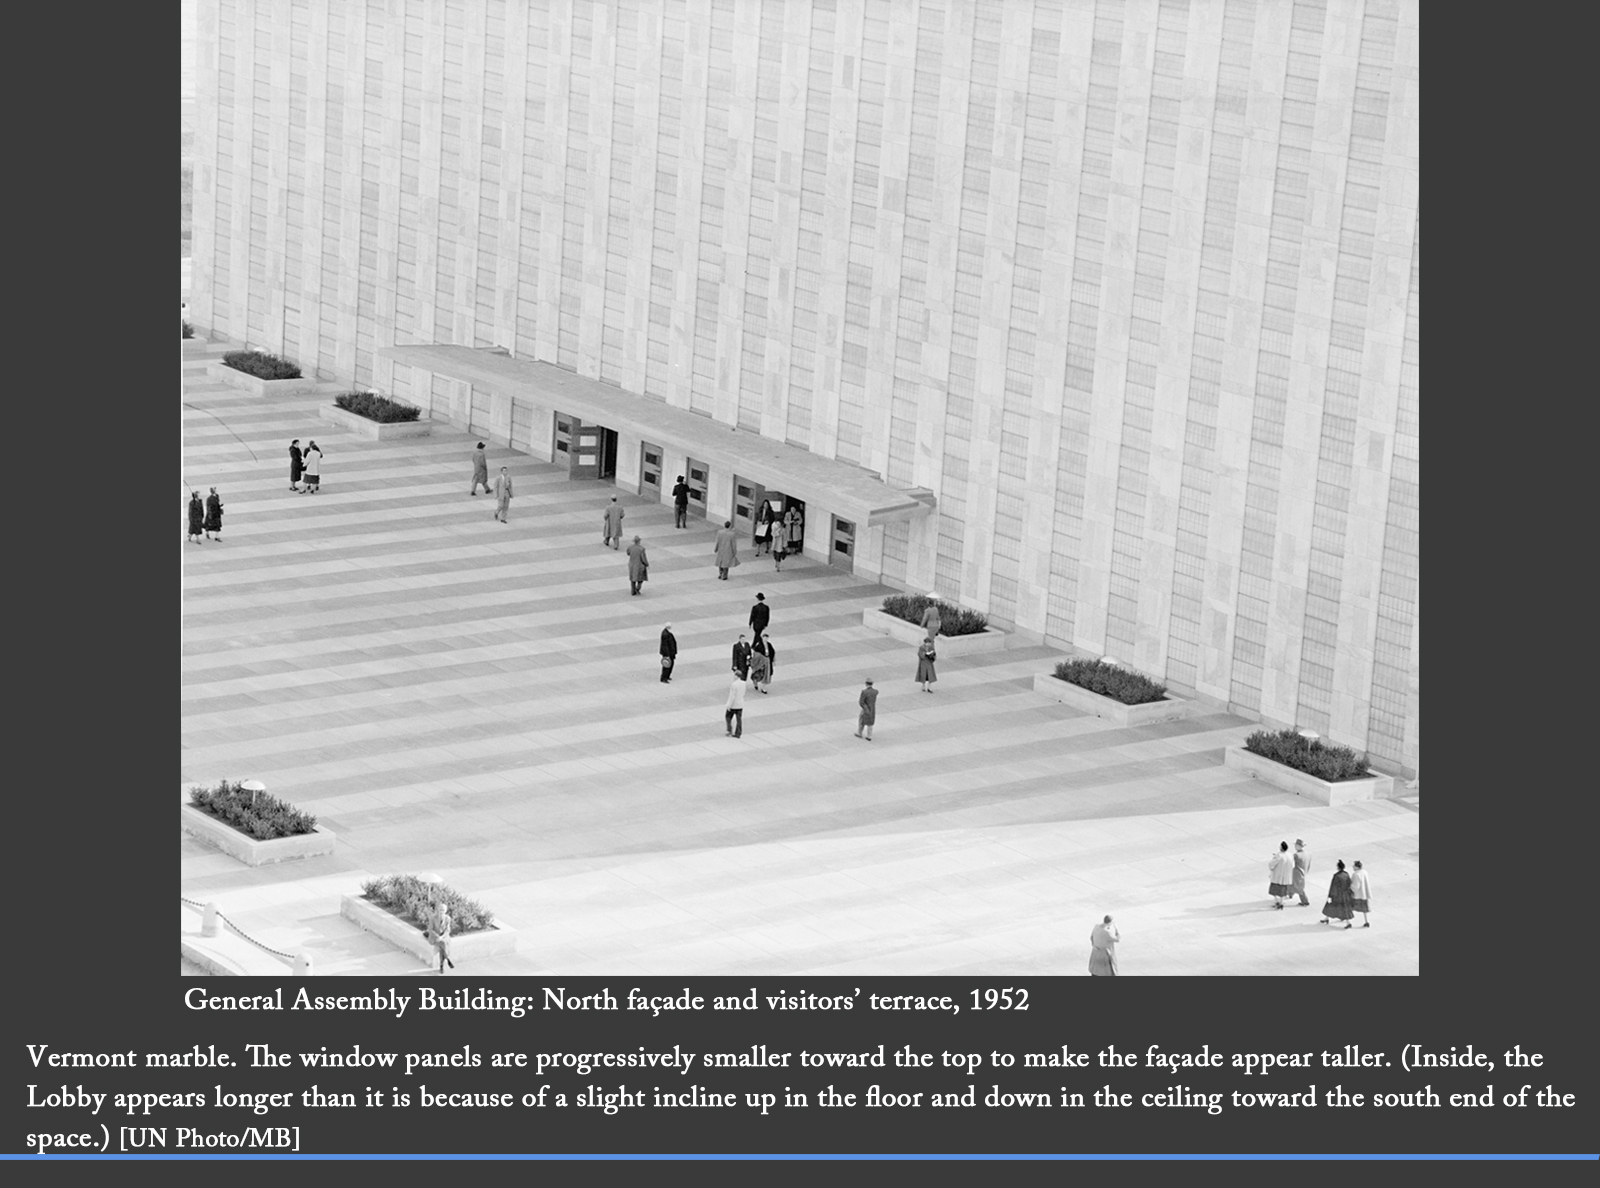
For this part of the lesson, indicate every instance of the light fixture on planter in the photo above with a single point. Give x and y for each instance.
(255, 788)
(1308, 735)
(1111, 660)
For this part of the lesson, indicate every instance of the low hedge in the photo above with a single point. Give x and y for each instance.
(188, 330)
(1326, 761)
(262, 365)
(262, 817)
(953, 620)
(412, 900)
(1119, 684)
(377, 408)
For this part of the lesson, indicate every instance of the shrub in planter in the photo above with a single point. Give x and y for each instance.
(1326, 761)
(188, 330)
(953, 620)
(255, 815)
(262, 365)
(377, 408)
(412, 900)
(1119, 684)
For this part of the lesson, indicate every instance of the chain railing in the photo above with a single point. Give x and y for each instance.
(237, 931)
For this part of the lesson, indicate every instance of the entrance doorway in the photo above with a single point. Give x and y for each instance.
(793, 522)
(842, 554)
(698, 477)
(590, 451)
(650, 471)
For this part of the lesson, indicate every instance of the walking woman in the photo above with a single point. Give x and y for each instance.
(931, 622)
(213, 522)
(925, 659)
(197, 517)
(502, 496)
(313, 468)
(794, 528)
(1103, 949)
(1360, 894)
(1281, 865)
(295, 467)
(760, 666)
(764, 527)
(1340, 903)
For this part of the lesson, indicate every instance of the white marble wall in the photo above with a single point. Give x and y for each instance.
(477, 95)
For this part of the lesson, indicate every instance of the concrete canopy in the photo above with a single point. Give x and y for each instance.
(839, 485)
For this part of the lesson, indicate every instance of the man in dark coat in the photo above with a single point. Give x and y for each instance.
(294, 465)
(868, 701)
(741, 657)
(669, 653)
(680, 504)
(760, 614)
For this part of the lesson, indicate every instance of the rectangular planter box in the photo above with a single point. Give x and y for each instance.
(376, 430)
(369, 916)
(246, 849)
(224, 374)
(1378, 787)
(988, 640)
(1170, 709)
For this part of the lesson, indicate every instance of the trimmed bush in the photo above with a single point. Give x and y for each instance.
(412, 900)
(953, 620)
(259, 816)
(188, 330)
(377, 408)
(1326, 761)
(1119, 684)
(262, 365)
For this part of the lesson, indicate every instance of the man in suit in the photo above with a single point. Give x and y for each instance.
(669, 653)
(1302, 867)
(760, 614)
(741, 657)
(680, 504)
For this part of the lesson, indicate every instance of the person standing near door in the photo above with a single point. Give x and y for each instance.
(613, 526)
(669, 653)
(763, 527)
(638, 565)
(726, 549)
(680, 504)
(795, 525)
(480, 469)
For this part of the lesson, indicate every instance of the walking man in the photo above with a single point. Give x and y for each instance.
(1302, 867)
(680, 504)
(733, 712)
(760, 613)
(868, 701)
(741, 657)
(1103, 951)
(480, 469)
(669, 653)
(727, 549)
(638, 565)
(502, 496)
(614, 513)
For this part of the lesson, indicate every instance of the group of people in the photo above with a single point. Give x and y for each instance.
(1348, 893)
(501, 489)
(778, 535)
(305, 465)
(204, 517)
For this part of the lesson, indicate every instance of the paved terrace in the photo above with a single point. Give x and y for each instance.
(453, 695)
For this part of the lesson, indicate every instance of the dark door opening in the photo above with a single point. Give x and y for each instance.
(608, 453)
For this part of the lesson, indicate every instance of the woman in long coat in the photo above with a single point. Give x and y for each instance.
(197, 517)
(480, 469)
(1281, 865)
(931, 622)
(925, 657)
(638, 565)
(1341, 903)
(760, 666)
(1103, 949)
(727, 549)
(313, 468)
(794, 524)
(502, 496)
(213, 521)
(1360, 894)
(763, 527)
(295, 469)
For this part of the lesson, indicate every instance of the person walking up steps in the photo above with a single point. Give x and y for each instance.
(726, 549)
(868, 701)
(313, 469)
(480, 469)
(197, 518)
(1360, 894)
(613, 525)
(1302, 867)
(1282, 867)
(295, 467)
(1341, 903)
(669, 654)
(213, 522)
(925, 659)
(638, 565)
(502, 496)
(733, 711)
(680, 504)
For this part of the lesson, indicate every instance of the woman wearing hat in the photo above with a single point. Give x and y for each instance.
(925, 658)
(213, 521)
(197, 517)
(313, 468)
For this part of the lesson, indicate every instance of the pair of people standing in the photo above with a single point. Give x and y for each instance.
(206, 517)
(1348, 893)
(306, 464)
(501, 487)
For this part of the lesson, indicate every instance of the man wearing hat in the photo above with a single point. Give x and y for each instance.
(680, 504)
(613, 528)
(868, 701)
(1302, 867)
(760, 614)
(480, 469)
